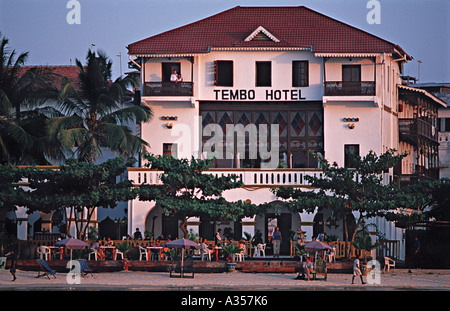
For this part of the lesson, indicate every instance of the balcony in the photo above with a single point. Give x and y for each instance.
(168, 89)
(249, 177)
(349, 88)
(410, 128)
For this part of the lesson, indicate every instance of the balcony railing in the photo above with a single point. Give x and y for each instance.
(347, 88)
(249, 177)
(412, 127)
(168, 89)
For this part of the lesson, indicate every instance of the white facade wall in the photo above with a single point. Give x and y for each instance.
(376, 129)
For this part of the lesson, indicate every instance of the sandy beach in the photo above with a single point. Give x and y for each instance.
(400, 279)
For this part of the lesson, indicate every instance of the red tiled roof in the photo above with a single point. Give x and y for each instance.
(293, 26)
(54, 74)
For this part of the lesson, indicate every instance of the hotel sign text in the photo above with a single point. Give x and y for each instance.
(244, 94)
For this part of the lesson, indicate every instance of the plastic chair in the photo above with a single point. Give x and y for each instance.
(388, 263)
(241, 255)
(260, 249)
(118, 253)
(206, 253)
(93, 252)
(143, 252)
(44, 252)
(331, 256)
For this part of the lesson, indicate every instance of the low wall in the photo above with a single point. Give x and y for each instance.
(248, 266)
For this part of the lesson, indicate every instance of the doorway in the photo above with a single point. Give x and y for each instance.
(284, 222)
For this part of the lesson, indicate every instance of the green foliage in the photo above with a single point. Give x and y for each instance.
(23, 138)
(343, 190)
(93, 115)
(124, 247)
(78, 186)
(186, 191)
(11, 193)
(231, 249)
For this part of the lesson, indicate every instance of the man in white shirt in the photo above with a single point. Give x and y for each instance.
(174, 76)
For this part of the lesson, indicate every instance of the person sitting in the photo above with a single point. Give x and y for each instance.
(137, 235)
(308, 266)
(205, 249)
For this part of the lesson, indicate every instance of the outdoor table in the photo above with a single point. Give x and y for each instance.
(53, 250)
(107, 247)
(154, 247)
(217, 252)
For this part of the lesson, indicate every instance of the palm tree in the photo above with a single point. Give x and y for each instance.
(94, 118)
(23, 139)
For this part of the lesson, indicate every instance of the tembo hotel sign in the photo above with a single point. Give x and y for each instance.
(262, 94)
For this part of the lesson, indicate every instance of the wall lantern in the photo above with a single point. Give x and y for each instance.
(169, 118)
(169, 125)
(352, 120)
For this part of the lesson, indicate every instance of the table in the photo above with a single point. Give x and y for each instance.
(154, 247)
(107, 247)
(217, 252)
(54, 249)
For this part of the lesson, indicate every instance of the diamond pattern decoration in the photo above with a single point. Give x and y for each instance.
(315, 124)
(280, 119)
(208, 117)
(225, 117)
(244, 117)
(298, 124)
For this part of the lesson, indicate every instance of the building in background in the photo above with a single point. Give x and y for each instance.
(329, 87)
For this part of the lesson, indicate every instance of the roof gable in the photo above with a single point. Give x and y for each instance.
(261, 34)
(292, 26)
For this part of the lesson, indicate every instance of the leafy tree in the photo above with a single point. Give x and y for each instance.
(11, 193)
(93, 116)
(344, 190)
(78, 188)
(186, 191)
(23, 138)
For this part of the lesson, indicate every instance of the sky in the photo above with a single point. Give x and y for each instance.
(41, 27)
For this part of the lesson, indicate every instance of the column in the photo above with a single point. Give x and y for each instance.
(22, 223)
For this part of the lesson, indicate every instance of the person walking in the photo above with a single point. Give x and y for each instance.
(276, 238)
(357, 271)
(12, 269)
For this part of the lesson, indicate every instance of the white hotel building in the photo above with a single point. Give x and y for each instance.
(329, 87)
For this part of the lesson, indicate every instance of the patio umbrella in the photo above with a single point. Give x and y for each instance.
(72, 243)
(183, 244)
(316, 246)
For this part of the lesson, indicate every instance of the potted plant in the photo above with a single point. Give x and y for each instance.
(229, 250)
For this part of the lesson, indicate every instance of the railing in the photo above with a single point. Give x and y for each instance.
(388, 248)
(249, 177)
(168, 89)
(349, 88)
(411, 127)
